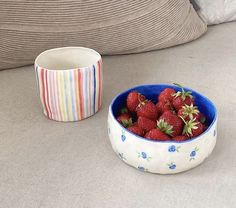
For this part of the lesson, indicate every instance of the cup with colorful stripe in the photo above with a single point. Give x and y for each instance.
(70, 82)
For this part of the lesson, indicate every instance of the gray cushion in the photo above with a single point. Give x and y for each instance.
(110, 27)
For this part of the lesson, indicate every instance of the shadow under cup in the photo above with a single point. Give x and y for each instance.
(70, 82)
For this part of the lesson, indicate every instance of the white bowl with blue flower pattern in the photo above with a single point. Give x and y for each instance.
(163, 157)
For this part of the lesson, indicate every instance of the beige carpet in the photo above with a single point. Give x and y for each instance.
(46, 164)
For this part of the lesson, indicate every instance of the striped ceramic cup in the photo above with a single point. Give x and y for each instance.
(70, 82)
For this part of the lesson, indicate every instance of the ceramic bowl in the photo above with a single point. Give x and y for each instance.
(163, 157)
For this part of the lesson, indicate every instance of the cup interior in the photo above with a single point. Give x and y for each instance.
(67, 58)
(151, 92)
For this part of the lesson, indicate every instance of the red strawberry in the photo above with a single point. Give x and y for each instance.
(146, 124)
(205, 127)
(136, 130)
(147, 109)
(182, 98)
(180, 138)
(166, 95)
(193, 128)
(170, 123)
(178, 102)
(156, 134)
(188, 112)
(135, 124)
(133, 100)
(125, 119)
(163, 106)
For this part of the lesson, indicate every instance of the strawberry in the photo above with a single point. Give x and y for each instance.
(170, 123)
(147, 109)
(178, 102)
(135, 124)
(136, 130)
(156, 134)
(166, 95)
(133, 100)
(125, 119)
(180, 138)
(146, 124)
(204, 127)
(188, 112)
(193, 128)
(163, 106)
(191, 112)
(182, 98)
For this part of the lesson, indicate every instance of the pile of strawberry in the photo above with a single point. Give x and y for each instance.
(173, 117)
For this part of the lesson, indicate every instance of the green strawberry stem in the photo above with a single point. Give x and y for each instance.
(189, 125)
(183, 120)
(203, 120)
(190, 110)
(180, 86)
(165, 127)
(124, 110)
(127, 123)
(140, 101)
(183, 94)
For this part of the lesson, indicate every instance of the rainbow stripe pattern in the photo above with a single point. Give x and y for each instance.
(70, 95)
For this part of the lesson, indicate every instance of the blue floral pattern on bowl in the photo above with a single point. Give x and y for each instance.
(123, 137)
(193, 154)
(173, 148)
(144, 156)
(141, 168)
(172, 166)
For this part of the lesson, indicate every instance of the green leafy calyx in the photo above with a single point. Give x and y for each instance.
(124, 110)
(127, 123)
(165, 127)
(189, 126)
(190, 110)
(183, 94)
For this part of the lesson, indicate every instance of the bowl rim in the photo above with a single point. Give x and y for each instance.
(157, 141)
(36, 64)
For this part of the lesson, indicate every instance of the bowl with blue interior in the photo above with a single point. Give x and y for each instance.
(161, 128)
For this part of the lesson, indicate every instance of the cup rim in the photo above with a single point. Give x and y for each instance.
(157, 141)
(67, 47)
